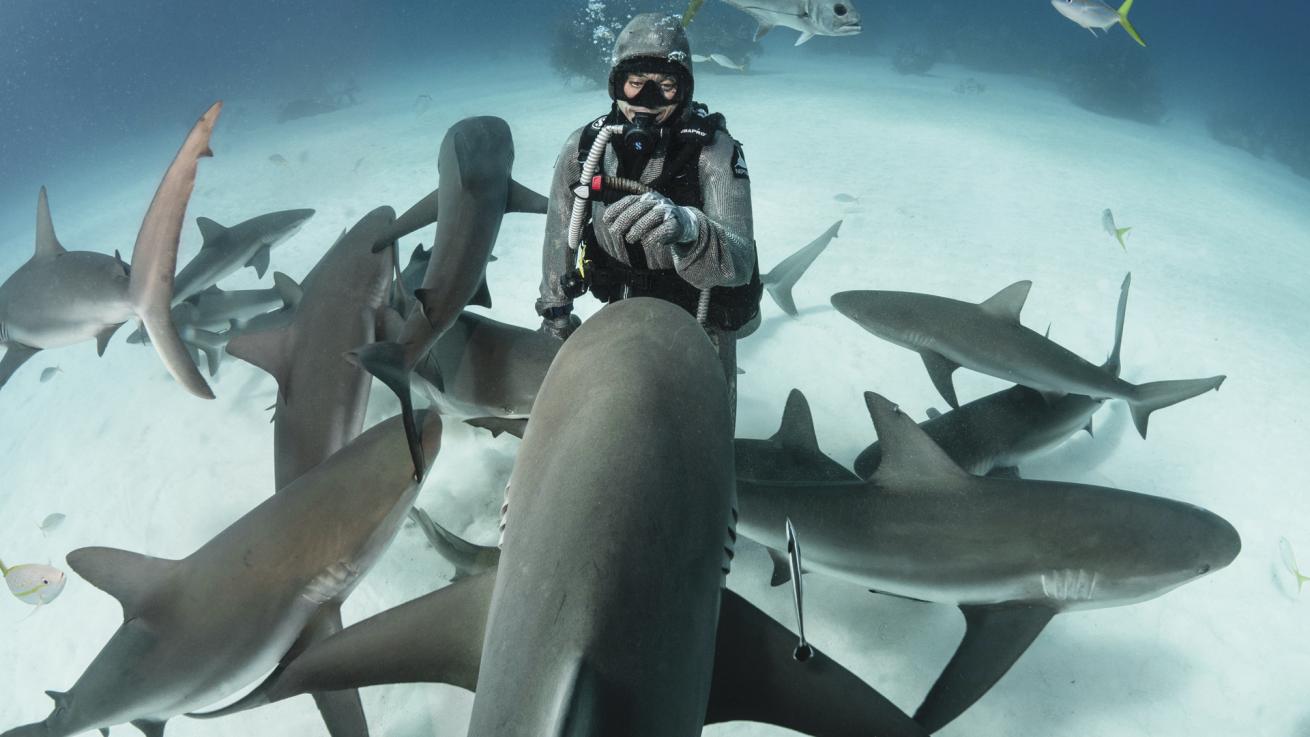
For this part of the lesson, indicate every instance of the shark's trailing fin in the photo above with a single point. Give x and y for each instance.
(1147, 398)
(797, 429)
(422, 214)
(522, 199)
(781, 567)
(287, 288)
(780, 280)
(436, 638)
(129, 577)
(1008, 303)
(1123, 21)
(259, 261)
(756, 679)
(103, 337)
(1113, 363)
(994, 639)
(515, 426)
(940, 369)
(149, 727)
(210, 231)
(15, 356)
(906, 448)
(270, 350)
(386, 362)
(154, 257)
(46, 242)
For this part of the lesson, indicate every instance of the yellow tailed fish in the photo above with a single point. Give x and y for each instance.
(1289, 560)
(32, 583)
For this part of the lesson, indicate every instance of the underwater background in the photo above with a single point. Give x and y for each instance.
(964, 146)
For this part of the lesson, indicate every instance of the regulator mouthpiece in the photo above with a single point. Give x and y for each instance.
(640, 135)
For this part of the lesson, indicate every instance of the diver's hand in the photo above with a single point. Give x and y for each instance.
(652, 220)
(560, 328)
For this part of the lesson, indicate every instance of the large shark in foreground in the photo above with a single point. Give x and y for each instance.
(988, 338)
(196, 630)
(1010, 553)
(607, 613)
(62, 297)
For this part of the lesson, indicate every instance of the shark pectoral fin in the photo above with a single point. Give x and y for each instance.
(780, 280)
(129, 577)
(342, 711)
(422, 214)
(756, 679)
(386, 362)
(995, 637)
(287, 288)
(482, 297)
(940, 369)
(797, 429)
(1004, 472)
(103, 337)
(436, 638)
(210, 231)
(781, 567)
(522, 199)
(805, 36)
(259, 261)
(16, 355)
(906, 448)
(46, 242)
(1008, 303)
(515, 426)
(150, 727)
(763, 29)
(269, 350)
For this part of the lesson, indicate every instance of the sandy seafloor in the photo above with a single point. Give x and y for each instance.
(957, 195)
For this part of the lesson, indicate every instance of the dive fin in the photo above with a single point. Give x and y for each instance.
(16, 354)
(1123, 21)
(1148, 398)
(259, 261)
(797, 429)
(129, 577)
(780, 280)
(386, 361)
(522, 199)
(995, 637)
(755, 679)
(940, 369)
(154, 257)
(46, 242)
(422, 214)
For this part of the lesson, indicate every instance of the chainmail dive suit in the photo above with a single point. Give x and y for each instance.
(721, 255)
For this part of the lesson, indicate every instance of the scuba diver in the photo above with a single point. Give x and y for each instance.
(664, 209)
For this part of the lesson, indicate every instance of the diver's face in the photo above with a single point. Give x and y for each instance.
(668, 89)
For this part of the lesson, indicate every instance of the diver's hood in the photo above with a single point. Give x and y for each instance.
(653, 42)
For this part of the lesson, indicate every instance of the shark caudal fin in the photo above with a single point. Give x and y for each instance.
(468, 558)
(154, 258)
(1113, 364)
(784, 276)
(1123, 21)
(1147, 398)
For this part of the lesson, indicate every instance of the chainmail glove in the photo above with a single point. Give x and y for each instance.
(652, 220)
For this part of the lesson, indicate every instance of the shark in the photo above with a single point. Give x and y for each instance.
(196, 630)
(633, 632)
(475, 190)
(810, 17)
(989, 338)
(61, 297)
(992, 435)
(227, 249)
(1011, 553)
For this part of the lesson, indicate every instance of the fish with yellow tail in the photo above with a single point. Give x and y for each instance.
(32, 583)
(1289, 560)
(1093, 14)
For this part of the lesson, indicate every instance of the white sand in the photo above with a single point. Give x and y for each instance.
(958, 195)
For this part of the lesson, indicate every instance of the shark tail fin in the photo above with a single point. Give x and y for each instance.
(154, 258)
(386, 362)
(1160, 394)
(1123, 21)
(784, 276)
(1113, 364)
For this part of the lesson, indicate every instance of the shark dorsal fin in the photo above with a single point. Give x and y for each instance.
(60, 698)
(797, 429)
(210, 231)
(269, 350)
(1008, 303)
(46, 242)
(129, 577)
(288, 289)
(906, 448)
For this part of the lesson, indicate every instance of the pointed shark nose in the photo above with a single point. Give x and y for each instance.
(1224, 543)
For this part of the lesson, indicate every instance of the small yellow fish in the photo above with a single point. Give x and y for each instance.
(1107, 222)
(1289, 560)
(34, 584)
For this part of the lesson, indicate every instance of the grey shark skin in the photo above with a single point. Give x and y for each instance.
(607, 613)
(62, 297)
(988, 338)
(1010, 553)
(475, 190)
(997, 432)
(810, 17)
(198, 629)
(216, 309)
(227, 249)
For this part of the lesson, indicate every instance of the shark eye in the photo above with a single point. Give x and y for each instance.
(839, 9)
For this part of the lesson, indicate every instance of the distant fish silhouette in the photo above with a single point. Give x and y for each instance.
(846, 198)
(1107, 222)
(1289, 560)
(279, 160)
(49, 373)
(51, 521)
